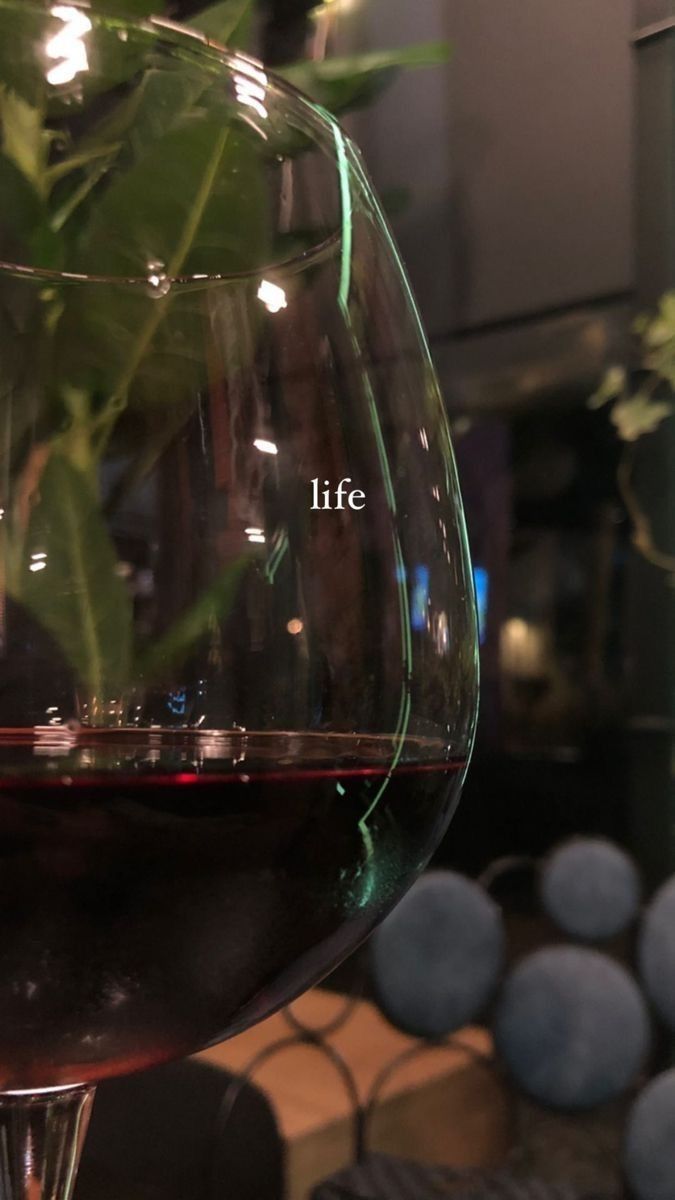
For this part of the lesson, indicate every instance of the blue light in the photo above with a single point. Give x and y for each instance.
(177, 702)
(420, 598)
(482, 585)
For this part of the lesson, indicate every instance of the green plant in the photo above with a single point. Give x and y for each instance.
(139, 171)
(638, 406)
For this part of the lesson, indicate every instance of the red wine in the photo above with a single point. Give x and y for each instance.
(159, 892)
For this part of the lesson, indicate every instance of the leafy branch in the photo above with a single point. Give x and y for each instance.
(156, 173)
(636, 412)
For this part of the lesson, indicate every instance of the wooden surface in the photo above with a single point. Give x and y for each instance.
(440, 1107)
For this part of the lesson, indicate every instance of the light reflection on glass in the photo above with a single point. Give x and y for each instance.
(250, 84)
(53, 740)
(68, 45)
(420, 597)
(442, 633)
(54, 718)
(265, 447)
(159, 284)
(272, 296)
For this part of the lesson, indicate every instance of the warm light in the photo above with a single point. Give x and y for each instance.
(523, 649)
(250, 84)
(67, 45)
(265, 447)
(272, 296)
(517, 630)
(442, 633)
(250, 94)
(344, 6)
(37, 566)
(295, 626)
(50, 740)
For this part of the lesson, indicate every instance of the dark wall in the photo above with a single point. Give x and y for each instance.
(518, 155)
(649, 11)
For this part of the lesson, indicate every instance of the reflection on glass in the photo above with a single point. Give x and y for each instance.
(68, 45)
(272, 296)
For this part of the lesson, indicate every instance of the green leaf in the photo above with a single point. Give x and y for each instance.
(21, 213)
(612, 386)
(193, 203)
(638, 415)
(341, 84)
(662, 362)
(83, 158)
(666, 369)
(119, 140)
(78, 597)
(21, 69)
(214, 604)
(227, 22)
(24, 139)
(185, 204)
(149, 110)
(26, 236)
(657, 331)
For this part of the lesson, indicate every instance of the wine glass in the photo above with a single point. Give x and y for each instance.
(237, 640)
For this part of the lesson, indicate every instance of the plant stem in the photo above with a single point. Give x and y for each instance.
(90, 637)
(118, 398)
(642, 536)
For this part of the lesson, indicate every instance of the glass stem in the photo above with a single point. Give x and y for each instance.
(41, 1139)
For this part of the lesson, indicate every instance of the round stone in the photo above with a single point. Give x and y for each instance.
(590, 888)
(649, 1146)
(572, 1027)
(656, 952)
(436, 960)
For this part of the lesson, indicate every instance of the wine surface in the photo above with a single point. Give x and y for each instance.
(161, 891)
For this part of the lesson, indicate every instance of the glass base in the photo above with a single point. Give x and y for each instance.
(41, 1139)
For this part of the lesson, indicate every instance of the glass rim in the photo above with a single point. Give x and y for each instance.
(209, 51)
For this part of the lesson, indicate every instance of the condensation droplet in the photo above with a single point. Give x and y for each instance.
(159, 284)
